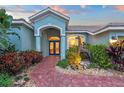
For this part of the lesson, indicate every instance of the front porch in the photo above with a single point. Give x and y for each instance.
(48, 24)
(51, 42)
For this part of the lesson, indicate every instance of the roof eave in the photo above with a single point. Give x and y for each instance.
(18, 21)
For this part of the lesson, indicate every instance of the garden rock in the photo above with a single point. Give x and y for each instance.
(92, 71)
(19, 83)
(85, 64)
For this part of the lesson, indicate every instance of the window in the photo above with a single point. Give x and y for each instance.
(114, 39)
(120, 37)
(74, 40)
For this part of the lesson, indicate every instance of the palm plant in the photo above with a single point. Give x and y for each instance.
(5, 23)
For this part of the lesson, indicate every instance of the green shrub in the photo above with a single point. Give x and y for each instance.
(5, 80)
(26, 78)
(74, 60)
(63, 63)
(71, 50)
(11, 48)
(93, 65)
(99, 56)
(18, 78)
(73, 57)
(82, 56)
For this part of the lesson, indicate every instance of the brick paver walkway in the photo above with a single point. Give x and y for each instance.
(45, 75)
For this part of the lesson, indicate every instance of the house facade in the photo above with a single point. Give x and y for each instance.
(49, 32)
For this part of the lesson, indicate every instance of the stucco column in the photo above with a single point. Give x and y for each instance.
(63, 47)
(38, 43)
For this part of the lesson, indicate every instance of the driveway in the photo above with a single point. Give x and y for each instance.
(45, 75)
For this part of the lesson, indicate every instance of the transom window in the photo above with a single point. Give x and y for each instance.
(54, 38)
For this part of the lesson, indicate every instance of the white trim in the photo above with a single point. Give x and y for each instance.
(47, 26)
(103, 30)
(109, 28)
(42, 17)
(49, 9)
(79, 32)
(22, 22)
(50, 25)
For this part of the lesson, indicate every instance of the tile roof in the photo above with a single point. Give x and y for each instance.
(84, 28)
(78, 28)
(93, 29)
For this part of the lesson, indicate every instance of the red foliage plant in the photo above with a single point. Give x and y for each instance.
(15, 62)
(116, 53)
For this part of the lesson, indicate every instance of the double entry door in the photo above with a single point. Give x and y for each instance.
(54, 47)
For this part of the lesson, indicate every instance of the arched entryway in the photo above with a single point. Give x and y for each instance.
(44, 32)
(50, 41)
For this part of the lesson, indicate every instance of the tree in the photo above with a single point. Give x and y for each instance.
(5, 23)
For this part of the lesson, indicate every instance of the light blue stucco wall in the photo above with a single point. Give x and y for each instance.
(63, 47)
(116, 33)
(54, 21)
(27, 39)
(14, 39)
(38, 43)
(85, 36)
(104, 38)
(51, 20)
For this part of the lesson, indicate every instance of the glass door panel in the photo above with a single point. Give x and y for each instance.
(51, 47)
(54, 47)
(57, 46)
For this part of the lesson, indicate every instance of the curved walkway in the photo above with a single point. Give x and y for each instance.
(45, 75)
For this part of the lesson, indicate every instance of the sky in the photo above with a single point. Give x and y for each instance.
(79, 14)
